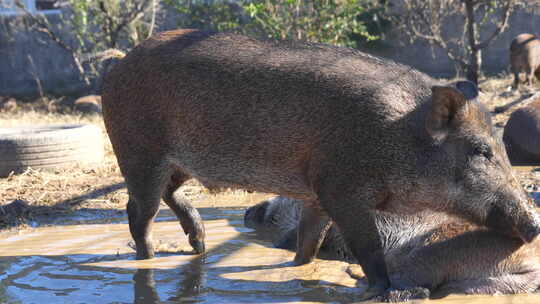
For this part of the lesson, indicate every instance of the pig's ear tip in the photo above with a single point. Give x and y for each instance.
(467, 88)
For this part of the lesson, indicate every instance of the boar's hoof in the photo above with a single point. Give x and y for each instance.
(301, 259)
(145, 254)
(197, 245)
(396, 295)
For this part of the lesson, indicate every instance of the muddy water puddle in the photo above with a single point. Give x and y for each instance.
(93, 264)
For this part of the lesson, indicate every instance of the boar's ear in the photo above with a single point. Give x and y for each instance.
(468, 89)
(446, 102)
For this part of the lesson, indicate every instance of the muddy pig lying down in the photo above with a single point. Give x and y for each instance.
(440, 253)
(345, 132)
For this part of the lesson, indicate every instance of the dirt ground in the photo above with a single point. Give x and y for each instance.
(40, 197)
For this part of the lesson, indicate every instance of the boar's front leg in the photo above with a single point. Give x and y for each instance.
(312, 229)
(356, 221)
(516, 79)
(530, 76)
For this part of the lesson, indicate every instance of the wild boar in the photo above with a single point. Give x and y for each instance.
(522, 135)
(428, 253)
(525, 57)
(343, 131)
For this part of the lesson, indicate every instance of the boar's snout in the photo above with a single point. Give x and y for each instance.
(521, 221)
(255, 214)
(528, 234)
(529, 230)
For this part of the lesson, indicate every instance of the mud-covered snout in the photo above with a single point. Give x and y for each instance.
(529, 232)
(255, 215)
(528, 226)
(518, 219)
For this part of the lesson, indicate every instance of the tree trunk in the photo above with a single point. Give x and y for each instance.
(473, 68)
(475, 54)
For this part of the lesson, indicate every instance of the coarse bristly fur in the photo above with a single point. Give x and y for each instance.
(344, 131)
(429, 250)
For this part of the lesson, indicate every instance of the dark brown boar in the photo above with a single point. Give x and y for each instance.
(525, 57)
(522, 135)
(428, 250)
(344, 131)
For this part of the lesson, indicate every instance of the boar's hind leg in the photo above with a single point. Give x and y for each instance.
(189, 217)
(312, 229)
(142, 208)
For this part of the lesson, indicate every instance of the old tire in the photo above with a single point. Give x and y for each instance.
(49, 147)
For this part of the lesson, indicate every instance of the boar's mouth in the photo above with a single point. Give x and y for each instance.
(527, 230)
(529, 235)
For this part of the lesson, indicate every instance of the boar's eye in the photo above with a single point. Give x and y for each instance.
(484, 151)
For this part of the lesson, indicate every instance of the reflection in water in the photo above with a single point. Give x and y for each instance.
(92, 264)
(189, 287)
(145, 287)
(192, 284)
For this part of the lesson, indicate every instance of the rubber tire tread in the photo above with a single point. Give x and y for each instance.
(49, 147)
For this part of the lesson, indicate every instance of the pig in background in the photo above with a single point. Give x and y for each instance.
(525, 57)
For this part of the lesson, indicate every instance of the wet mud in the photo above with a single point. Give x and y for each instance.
(93, 263)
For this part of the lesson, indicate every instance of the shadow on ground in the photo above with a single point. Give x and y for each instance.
(19, 212)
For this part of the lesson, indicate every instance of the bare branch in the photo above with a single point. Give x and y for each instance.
(470, 24)
(153, 19)
(95, 25)
(428, 21)
(44, 26)
(136, 13)
(133, 15)
(423, 20)
(109, 20)
(36, 76)
(501, 27)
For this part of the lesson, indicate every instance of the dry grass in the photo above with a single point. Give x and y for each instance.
(49, 194)
(497, 93)
(66, 190)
